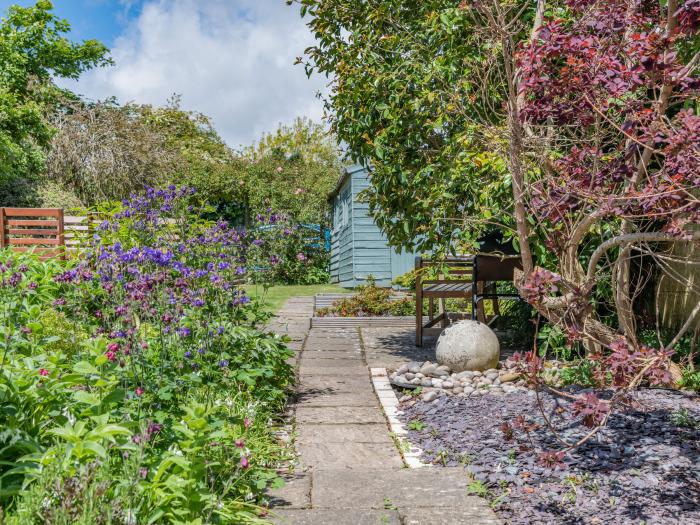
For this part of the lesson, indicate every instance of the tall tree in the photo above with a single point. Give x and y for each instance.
(33, 52)
(408, 81)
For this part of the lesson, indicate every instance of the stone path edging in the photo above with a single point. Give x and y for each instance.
(390, 404)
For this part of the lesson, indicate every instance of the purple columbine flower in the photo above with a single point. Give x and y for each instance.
(183, 331)
(223, 363)
(188, 354)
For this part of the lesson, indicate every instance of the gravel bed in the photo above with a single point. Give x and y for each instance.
(643, 468)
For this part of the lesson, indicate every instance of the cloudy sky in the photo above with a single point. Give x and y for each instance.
(230, 59)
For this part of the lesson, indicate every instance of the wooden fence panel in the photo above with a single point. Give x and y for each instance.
(40, 230)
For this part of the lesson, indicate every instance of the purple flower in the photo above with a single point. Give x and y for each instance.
(188, 354)
(183, 331)
(223, 363)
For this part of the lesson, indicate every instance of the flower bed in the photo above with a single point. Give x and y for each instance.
(134, 385)
(642, 468)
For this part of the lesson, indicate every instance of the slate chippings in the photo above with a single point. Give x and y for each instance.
(642, 468)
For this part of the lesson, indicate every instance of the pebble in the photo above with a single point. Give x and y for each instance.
(447, 384)
(410, 375)
(437, 383)
(402, 370)
(429, 396)
(426, 381)
(428, 369)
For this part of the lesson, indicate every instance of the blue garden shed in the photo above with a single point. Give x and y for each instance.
(358, 247)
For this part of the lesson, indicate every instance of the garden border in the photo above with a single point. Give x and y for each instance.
(386, 321)
(390, 407)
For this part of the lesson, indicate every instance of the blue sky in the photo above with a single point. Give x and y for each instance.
(230, 59)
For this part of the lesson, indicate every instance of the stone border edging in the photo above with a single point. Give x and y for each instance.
(390, 403)
(363, 322)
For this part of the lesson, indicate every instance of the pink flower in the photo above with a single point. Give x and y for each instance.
(240, 443)
(301, 256)
(113, 347)
(112, 356)
(244, 462)
(43, 372)
(246, 422)
(139, 391)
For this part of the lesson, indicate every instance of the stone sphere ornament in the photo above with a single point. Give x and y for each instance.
(468, 345)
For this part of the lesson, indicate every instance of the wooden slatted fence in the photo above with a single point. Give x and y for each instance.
(40, 230)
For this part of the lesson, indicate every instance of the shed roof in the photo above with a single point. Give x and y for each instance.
(347, 173)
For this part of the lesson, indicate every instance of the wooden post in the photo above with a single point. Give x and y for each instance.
(419, 304)
(61, 237)
(2, 227)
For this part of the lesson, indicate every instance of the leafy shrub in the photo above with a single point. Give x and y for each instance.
(370, 300)
(292, 254)
(581, 374)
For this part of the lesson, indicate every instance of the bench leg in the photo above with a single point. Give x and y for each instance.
(419, 314)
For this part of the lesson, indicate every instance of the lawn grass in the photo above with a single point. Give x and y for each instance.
(276, 296)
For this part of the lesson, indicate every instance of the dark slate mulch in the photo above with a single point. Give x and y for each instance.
(642, 468)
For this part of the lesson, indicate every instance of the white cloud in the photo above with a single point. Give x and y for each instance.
(230, 59)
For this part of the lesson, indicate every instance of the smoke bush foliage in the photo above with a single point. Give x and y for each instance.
(158, 403)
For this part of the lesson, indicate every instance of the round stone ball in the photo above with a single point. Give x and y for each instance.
(468, 345)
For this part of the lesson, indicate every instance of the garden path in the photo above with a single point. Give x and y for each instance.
(350, 470)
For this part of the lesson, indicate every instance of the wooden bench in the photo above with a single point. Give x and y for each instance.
(457, 284)
(472, 277)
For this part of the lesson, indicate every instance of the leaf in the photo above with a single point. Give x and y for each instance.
(95, 448)
(85, 368)
(86, 397)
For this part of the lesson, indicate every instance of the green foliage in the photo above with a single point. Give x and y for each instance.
(416, 424)
(683, 418)
(580, 374)
(370, 300)
(408, 81)
(33, 52)
(107, 415)
(690, 379)
(552, 343)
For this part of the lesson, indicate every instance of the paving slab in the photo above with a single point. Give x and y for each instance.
(370, 489)
(316, 398)
(332, 363)
(339, 415)
(372, 433)
(295, 494)
(331, 370)
(435, 516)
(337, 383)
(333, 354)
(350, 456)
(334, 517)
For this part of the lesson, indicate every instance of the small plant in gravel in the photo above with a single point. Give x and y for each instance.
(416, 425)
(683, 418)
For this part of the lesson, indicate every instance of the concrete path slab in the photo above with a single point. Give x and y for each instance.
(295, 494)
(350, 456)
(316, 398)
(332, 517)
(364, 433)
(343, 489)
(338, 415)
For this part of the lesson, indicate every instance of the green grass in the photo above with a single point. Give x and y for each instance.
(276, 296)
